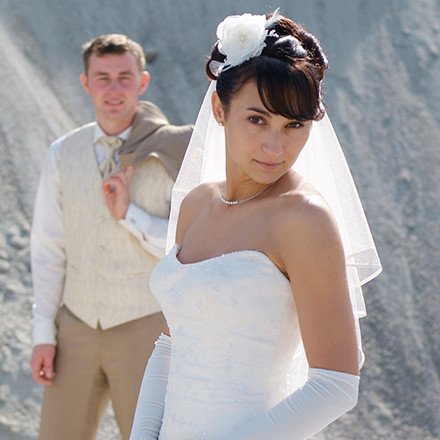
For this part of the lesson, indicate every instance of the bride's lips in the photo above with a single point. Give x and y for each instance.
(268, 165)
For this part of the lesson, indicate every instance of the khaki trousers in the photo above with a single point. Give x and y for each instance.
(92, 367)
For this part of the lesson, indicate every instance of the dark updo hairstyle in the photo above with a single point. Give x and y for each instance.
(288, 72)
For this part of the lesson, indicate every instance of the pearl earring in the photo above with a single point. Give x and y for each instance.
(220, 123)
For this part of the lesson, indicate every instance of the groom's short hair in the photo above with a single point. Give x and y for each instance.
(113, 44)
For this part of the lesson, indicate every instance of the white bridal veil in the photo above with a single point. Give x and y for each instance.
(323, 164)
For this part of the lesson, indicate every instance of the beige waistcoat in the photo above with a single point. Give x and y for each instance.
(107, 269)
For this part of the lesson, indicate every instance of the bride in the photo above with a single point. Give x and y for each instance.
(261, 289)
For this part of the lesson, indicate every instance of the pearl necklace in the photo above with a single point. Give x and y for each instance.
(239, 202)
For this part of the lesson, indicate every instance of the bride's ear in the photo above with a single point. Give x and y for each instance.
(217, 108)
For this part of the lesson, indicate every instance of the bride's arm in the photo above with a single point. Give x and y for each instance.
(310, 251)
(151, 400)
(324, 397)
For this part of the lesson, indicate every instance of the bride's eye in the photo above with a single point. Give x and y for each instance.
(295, 124)
(256, 120)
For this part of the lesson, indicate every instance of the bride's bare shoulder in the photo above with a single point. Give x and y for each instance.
(299, 199)
(301, 210)
(201, 194)
(300, 224)
(193, 203)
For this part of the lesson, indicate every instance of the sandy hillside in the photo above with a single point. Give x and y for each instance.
(383, 96)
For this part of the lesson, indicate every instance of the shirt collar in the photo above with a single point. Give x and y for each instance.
(99, 133)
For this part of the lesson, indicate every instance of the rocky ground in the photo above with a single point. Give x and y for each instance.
(383, 96)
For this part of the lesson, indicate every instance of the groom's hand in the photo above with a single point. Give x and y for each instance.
(42, 364)
(116, 190)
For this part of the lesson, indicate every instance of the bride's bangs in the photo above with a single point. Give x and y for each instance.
(287, 90)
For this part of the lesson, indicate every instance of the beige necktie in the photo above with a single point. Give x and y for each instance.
(109, 165)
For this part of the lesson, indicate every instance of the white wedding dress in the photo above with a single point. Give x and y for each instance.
(234, 331)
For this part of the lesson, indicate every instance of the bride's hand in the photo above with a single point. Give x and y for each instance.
(116, 190)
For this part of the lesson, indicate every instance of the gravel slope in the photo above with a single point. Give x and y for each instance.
(383, 97)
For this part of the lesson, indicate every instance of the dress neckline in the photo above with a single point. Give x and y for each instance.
(176, 249)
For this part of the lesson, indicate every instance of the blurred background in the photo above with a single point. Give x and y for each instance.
(383, 96)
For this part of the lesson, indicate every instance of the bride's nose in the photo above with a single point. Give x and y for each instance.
(272, 145)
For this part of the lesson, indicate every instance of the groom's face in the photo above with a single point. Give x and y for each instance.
(114, 83)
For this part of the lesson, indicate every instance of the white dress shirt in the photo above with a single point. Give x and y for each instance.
(47, 238)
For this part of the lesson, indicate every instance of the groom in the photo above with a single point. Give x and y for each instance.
(95, 320)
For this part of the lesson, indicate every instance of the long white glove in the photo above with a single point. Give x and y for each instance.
(322, 399)
(151, 400)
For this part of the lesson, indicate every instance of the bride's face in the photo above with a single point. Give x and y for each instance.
(259, 144)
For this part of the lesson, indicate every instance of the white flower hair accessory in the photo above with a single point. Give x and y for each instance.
(242, 37)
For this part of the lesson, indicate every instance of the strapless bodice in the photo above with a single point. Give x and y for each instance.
(234, 330)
